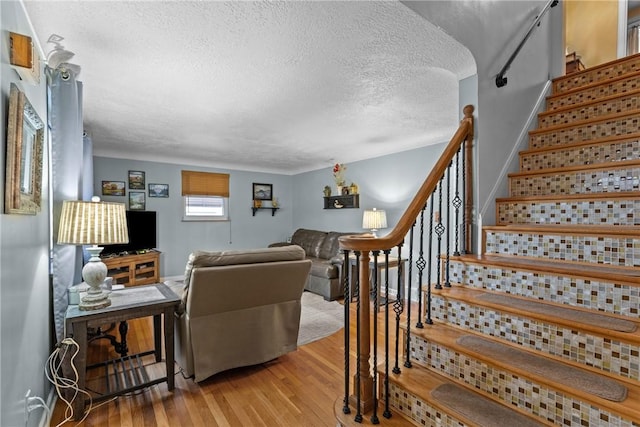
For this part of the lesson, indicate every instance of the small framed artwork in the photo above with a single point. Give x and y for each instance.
(136, 180)
(262, 191)
(158, 190)
(113, 188)
(136, 200)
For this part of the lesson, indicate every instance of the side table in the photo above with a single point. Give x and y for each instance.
(394, 262)
(128, 373)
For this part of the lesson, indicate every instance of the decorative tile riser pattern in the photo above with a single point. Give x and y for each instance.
(608, 355)
(596, 92)
(608, 297)
(612, 106)
(422, 413)
(537, 399)
(578, 182)
(620, 251)
(594, 212)
(585, 132)
(585, 155)
(597, 75)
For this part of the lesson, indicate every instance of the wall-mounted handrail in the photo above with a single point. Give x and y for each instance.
(501, 80)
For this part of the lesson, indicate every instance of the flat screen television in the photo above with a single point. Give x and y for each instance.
(142, 233)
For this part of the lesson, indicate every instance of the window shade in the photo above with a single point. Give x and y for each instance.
(205, 184)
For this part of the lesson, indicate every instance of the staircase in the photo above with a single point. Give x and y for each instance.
(543, 328)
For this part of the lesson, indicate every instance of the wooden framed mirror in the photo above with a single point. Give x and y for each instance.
(25, 141)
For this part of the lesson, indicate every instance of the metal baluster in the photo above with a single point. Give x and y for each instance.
(457, 202)
(420, 263)
(398, 308)
(347, 299)
(376, 308)
(387, 411)
(429, 257)
(447, 283)
(358, 417)
(407, 360)
(465, 249)
(439, 230)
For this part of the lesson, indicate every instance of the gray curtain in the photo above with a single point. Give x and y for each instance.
(68, 148)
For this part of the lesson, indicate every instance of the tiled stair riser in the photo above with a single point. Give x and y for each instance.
(624, 103)
(414, 408)
(592, 93)
(537, 399)
(608, 355)
(584, 155)
(594, 212)
(577, 182)
(586, 132)
(619, 251)
(608, 297)
(597, 75)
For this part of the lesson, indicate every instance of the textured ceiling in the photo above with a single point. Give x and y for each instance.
(263, 86)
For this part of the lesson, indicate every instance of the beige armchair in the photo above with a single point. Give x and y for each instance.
(239, 308)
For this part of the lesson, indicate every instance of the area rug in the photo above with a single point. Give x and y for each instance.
(319, 318)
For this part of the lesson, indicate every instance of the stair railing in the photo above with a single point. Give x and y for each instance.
(501, 80)
(452, 171)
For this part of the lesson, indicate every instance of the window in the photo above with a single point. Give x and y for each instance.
(205, 196)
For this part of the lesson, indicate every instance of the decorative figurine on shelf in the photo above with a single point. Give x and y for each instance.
(274, 203)
(353, 188)
(257, 203)
(327, 191)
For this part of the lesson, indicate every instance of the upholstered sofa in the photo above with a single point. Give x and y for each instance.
(239, 308)
(323, 249)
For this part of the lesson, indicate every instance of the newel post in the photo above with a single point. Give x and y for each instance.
(468, 203)
(364, 377)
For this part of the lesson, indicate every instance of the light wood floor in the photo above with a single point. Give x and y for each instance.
(297, 389)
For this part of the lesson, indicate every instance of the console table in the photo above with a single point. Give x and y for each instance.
(131, 270)
(128, 373)
(394, 262)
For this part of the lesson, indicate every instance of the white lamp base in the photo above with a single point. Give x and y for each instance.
(94, 272)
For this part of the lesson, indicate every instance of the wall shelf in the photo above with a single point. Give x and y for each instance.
(350, 201)
(273, 210)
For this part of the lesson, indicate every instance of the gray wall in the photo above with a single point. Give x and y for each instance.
(491, 31)
(25, 316)
(177, 239)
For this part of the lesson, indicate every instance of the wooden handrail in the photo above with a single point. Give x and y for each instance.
(393, 239)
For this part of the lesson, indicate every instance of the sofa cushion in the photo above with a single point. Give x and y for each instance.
(331, 245)
(309, 240)
(324, 268)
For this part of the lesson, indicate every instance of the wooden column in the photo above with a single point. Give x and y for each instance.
(468, 203)
(366, 379)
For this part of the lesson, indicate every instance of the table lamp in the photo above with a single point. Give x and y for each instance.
(374, 220)
(93, 223)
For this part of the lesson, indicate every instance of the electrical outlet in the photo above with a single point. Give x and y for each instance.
(26, 406)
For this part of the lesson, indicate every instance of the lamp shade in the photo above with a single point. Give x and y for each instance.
(92, 223)
(374, 219)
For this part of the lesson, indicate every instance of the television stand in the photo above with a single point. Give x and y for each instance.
(133, 270)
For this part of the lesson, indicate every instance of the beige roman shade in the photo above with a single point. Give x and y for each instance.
(205, 184)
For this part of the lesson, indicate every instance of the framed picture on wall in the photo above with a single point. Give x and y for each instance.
(113, 188)
(136, 200)
(136, 180)
(158, 190)
(262, 191)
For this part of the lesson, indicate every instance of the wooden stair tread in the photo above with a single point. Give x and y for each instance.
(577, 168)
(586, 230)
(422, 382)
(577, 144)
(449, 336)
(547, 113)
(578, 123)
(475, 297)
(573, 269)
(621, 195)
